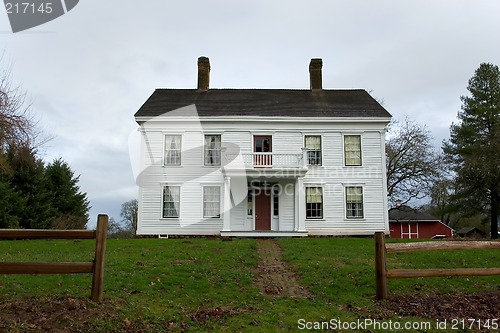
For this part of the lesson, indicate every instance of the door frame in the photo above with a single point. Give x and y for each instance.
(264, 194)
(268, 136)
(263, 160)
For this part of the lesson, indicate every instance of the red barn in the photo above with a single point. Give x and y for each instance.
(406, 222)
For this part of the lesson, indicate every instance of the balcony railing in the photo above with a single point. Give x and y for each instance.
(266, 160)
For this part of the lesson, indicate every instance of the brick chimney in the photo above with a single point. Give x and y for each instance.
(203, 73)
(315, 74)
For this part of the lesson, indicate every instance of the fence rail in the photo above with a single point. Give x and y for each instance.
(382, 273)
(96, 267)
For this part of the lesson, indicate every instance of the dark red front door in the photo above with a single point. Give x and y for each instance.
(263, 210)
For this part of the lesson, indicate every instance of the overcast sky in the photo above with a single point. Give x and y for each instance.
(88, 71)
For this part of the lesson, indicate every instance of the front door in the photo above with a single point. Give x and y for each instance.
(263, 210)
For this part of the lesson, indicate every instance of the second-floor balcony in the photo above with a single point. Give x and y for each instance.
(270, 160)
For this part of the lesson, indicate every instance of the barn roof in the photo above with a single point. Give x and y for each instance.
(406, 213)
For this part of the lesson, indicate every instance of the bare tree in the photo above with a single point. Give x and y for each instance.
(17, 126)
(413, 165)
(129, 214)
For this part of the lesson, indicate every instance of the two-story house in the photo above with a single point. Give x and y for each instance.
(262, 162)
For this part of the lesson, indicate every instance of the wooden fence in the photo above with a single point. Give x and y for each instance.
(95, 267)
(382, 274)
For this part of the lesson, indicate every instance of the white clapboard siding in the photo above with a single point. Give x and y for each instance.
(287, 142)
(287, 208)
(288, 138)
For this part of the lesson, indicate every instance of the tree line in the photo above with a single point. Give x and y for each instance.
(33, 194)
(463, 178)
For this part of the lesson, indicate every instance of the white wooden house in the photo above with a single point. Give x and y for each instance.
(262, 162)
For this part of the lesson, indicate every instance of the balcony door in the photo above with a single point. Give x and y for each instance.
(262, 148)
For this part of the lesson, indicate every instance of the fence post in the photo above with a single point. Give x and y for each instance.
(100, 251)
(380, 265)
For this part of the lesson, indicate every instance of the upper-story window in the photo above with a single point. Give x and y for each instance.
(172, 149)
(352, 150)
(212, 155)
(313, 144)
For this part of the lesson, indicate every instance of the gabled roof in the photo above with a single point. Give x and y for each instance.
(405, 213)
(265, 103)
(465, 231)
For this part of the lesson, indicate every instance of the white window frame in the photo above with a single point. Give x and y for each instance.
(163, 186)
(344, 153)
(218, 216)
(250, 194)
(165, 153)
(362, 202)
(322, 201)
(275, 192)
(409, 233)
(205, 149)
(320, 150)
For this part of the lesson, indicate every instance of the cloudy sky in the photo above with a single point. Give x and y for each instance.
(88, 71)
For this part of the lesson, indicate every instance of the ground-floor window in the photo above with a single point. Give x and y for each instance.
(314, 202)
(250, 203)
(276, 202)
(171, 201)
(211, 201)
(354, 202)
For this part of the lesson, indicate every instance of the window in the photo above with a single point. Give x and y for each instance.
(354, 202)
(314, 202)
(211, 201)
(250, 203)
(171, 201)
(172, 150)
(212, 149)
(352, 150)
(313, 144)
(276, 202)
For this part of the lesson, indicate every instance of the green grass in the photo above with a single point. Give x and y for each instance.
(158, 284)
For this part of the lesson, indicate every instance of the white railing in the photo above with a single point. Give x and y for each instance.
(267, 160)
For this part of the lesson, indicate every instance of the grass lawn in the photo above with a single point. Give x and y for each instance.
(196, 284)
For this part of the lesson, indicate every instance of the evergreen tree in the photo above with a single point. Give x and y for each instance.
(35, 210)
(71, 205)
(474, 146)
(10, 200)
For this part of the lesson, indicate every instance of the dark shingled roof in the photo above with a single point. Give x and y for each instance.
(265, 103)
(405, 213)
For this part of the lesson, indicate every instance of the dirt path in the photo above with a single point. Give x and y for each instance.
(274, 276)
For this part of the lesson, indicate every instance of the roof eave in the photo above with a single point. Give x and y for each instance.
(384, 120)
